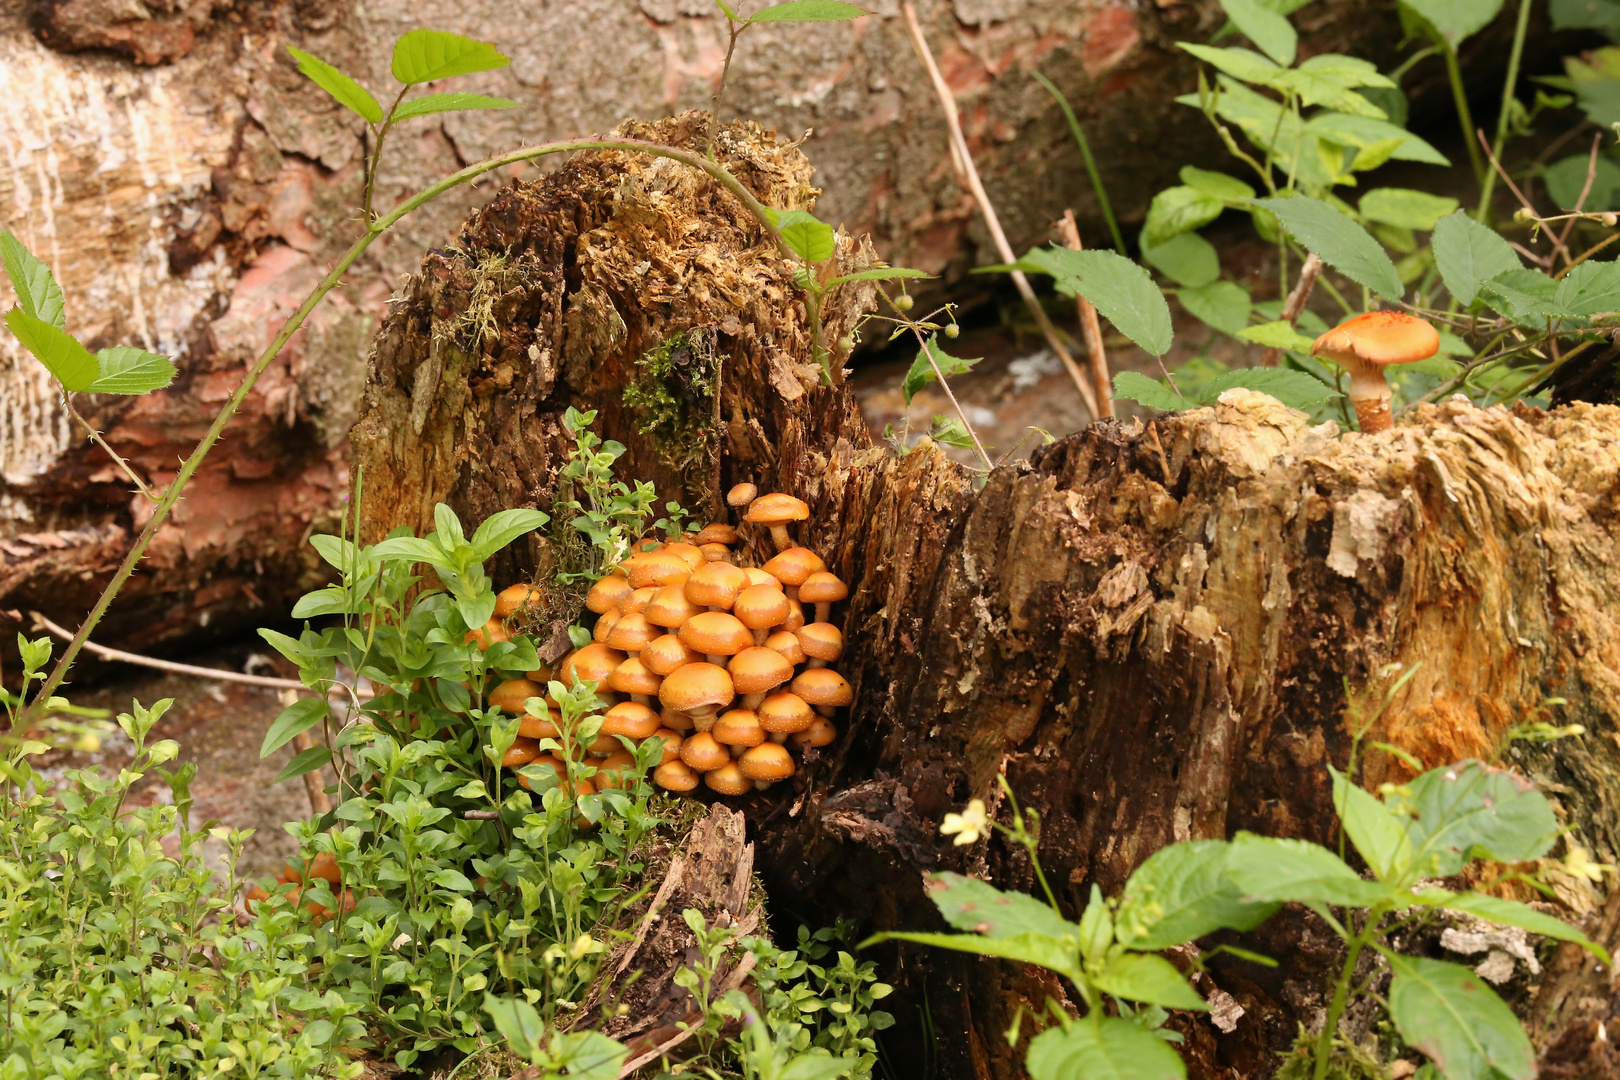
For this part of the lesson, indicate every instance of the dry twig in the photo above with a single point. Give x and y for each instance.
(1090, 329)
(1295, 304)
(169, 665)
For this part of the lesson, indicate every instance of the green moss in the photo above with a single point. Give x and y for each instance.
(674, 397)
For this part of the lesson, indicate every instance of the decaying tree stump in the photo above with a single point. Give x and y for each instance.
(1148, 628)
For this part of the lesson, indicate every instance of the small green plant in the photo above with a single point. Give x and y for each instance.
(1411, 837)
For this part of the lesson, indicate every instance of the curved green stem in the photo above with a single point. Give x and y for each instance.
(1459, 94)
(333, 278)
(1341, 997)
(1520, 29)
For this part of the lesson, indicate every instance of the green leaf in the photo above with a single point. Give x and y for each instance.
(125, 370)
(348, 93)
(61, 354)
(518, 1024)
(1468, 254)
(970, 904)
(1601, 15)
(1244, 64)
(37, 291)
(1229, 189)
(1134, 386)
(1589, 289)
(1332, 80)
(812, 1066)
(1364, 132)
(1471, 811)
(1107, 1048)
(1120, 290)
(805, 235)
(1221, 304)
(1295, 389)
(807, 11)
(1338, 241)
(1511, 913)
(1378, 834)
(1448, 1013)
(1527, 296)
(1566, 179)
(452, 102)
(1144, 977)
(1405, 208)
(1266, 868)
(1047, 952)
(1456, 20)
(295, 719)
(306, 761)
(922, 372)
(1276, 335)
(1178, 210)
(950, 431)
(331, 600)
(1180, 893)
(500, 529)
(878, 273)
(1188, 260)
(1270, 31)
(429, 55)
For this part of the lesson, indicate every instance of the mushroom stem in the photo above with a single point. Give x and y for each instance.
(642, 699)
(823, 610)
(716, 659)
(1370, 394)
(778, 736)
(779, 533)
(752, 702)
(827, 710)
(762, 785)
(702, 718)
(760, 634)
(816, 661)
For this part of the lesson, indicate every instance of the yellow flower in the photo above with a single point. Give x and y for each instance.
(967, 826)
(1579, 864)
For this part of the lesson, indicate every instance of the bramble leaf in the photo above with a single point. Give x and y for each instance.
(429, 55)
(1447, 1012)
(1151, 979)
(1187, 259)
(37, 291)
(348, 93)
(59, 351)
(1472, 811)
(1048, 952)
(1405, 208)
(451, 102)
(1108, 1048)
(125, 370)
(1268, 29)
(1177, 210)
(1456, 20)
(1134, 386)
(1120, 290)
(1221, 304)
(970, 904)
(807, 11)
(1378, 834)
(1338, 241)
(1468, 254)
(1276, 335)
(805, 235)
(1589, 289)
(879, 273)
(1270, 869)
(1180, 893)
(922, 372)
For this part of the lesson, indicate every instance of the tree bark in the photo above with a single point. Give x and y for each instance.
(1149, 629)
(188, 186)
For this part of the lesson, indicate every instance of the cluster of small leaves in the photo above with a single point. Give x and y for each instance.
(1431, 828)
(818, 997)
(123, 955)
(420, 56)
(608, 513)
(39, 321)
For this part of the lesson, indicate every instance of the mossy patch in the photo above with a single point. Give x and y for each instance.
(674, 396)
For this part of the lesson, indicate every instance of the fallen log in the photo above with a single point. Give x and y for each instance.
(1155, 631)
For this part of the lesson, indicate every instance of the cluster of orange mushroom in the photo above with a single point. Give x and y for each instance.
(726, 665)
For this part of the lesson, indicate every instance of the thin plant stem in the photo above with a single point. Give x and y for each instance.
(333, 278)
(1091, 164)
(1341, 994)
(1459, 94)
(366, 213)
(1090, 328)
(1509, 85)
(992, 222)
(725, 72)
(123, 657)
(95, 437)
(922, 344)
(1309, 271)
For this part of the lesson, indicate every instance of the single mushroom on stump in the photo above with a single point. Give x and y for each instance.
(774, 511)
(1367, 344)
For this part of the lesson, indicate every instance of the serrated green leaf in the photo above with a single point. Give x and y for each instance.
(1270, 31)
(1178, 210)
(1120, 290)
(1468, 254)
(1134, 386)
(1447, 1012)
(37, 291)
(429, 55)
(125, 370)
(1338, 241)
(879, 273)
(807, 11)
(922, 372)
(1527, 296)
(970, 904)
(305, 761)
(1221, 304)
(1405, 208)
(805, 235)
(295, 719)
(1150, 979)
(457, 101)
(1107, 1048)
(1511, 913)
(1276, 335)
(1048, 952)
(1188, 259)
(1217, 185)
(1472, 811)
(1179, 894)
(950, 431)
(1269, 869)
(344, 90)
(1379, 836)
(1591, 288)
(55, 348)
(1456, 20)
(1295, 389)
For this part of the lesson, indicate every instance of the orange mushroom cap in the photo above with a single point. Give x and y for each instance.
(594, 663)
(821, 732)
(760, 607)
(658, 568)
(631, 719)
(605, 624)
(776, 509)
(785, 711)
(757, 669)
(666, 653)
(631, 633)
(716, 533)
(522, 752)
(607, 593)
(823, 686)
(512, 599)
(670, 607)
(696, 687)
(675, 776)
(715, 633)
(715, 584)
(1380, 337)
(729, 779)
(703, 753)
(691, 553)
(510, 695)
(742, 495)
(792, 566)
(768, 761)
(638, 600)
(824, 641)
(633, 677)
(822, 588)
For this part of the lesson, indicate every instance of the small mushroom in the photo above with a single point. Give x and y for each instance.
(671, 740)
(756, 671)
(634, 678)
(823, 590)
(536, 727)
(521, 753)
(631, 633)
(514, 598)
(594, 663)
(616, 770)
(788, 645)
(510, 695)
(716, 533)
(760, 607)
(605, 624)
(821, 732)
(658, 568)
(631, 719)
(1367, 344)
(774, 511)
(703, 753)
(716, 553)
(728, 779)
(691, 553)
(670, 607)
(488, 634)
(607, 593)
(738, 727)
(823, 688)
(756, 576)
(822, 642)
(667, 652)
(675, 776)
(785, 712)
(716, 634)
(715, 586)
(741, 495)
(765, 764)
(795, 620)
(792, 566)
(638, 600)
(698, 690)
